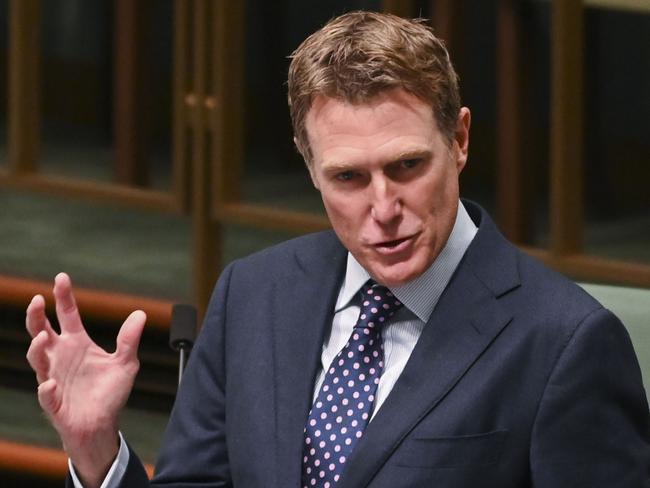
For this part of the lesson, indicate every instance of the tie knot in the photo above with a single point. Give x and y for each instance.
(378, 304)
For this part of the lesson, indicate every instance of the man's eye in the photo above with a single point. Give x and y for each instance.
(345, 175)
(410, 163)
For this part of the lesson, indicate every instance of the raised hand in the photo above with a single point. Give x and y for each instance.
(82, 388)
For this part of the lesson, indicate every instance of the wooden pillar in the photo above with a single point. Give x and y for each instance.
(130, 108)
(206, 235)
(514, 199)
(225, 102)
(184, 99)
(403, 8)
(444, 19)
(24, 85)
(566, 126)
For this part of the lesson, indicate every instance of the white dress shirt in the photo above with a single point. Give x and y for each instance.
(400, 335)
(419, 297)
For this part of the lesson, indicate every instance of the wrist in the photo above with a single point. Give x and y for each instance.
(92, 456)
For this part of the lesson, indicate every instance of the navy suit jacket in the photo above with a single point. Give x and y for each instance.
(519, 379)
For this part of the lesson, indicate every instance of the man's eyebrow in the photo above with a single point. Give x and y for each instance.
(337, 166)
(340, 166)
(413, 154)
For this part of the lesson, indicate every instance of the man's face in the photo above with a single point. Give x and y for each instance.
(388, 179)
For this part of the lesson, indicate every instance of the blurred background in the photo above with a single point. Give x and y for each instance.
(144, 144)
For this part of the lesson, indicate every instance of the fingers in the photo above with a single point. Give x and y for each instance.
(35, 318)
(37, 356)
(128, 338)
(66, 306)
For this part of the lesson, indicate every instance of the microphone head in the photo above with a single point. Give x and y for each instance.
(182, 331)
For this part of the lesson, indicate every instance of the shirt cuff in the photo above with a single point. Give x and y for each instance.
(116, 472)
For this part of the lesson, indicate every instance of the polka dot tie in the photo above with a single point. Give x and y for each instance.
(344, 403)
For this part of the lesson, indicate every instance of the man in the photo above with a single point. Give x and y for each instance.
(413, 346)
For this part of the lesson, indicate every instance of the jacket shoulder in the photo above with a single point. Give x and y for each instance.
(560, 298)
(307, 251)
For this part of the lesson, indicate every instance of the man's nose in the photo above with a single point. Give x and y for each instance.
(386, 203)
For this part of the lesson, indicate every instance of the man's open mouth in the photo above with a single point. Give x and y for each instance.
(396, 246)
(392, 244)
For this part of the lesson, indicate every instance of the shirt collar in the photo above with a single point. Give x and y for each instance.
(355, 277)
(421, 294)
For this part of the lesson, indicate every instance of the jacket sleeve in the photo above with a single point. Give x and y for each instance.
(591, 429)
(134, 475)
(194, 450)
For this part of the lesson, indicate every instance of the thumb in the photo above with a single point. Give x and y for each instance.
(128, 338)
(47, 397)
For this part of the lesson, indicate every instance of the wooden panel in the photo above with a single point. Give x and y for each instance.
(602, 270)
(41, 461)
(224, 101)
(514, 200)
(130, 107)
(638, 6)
(272, 218)
(596, 269)
(403, 8)
(449, 24)
(206, 236)
(93, 191)
(444, 19)
(24, 87)
(94, 304)
(566, 126)
(181, 87)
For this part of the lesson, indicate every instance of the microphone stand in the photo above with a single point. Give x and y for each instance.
(182, 334)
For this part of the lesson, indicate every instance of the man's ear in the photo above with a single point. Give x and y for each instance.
(462, 137)
(295, 143)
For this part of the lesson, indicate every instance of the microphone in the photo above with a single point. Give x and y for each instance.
(182, 333)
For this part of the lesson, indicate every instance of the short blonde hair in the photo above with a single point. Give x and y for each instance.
(358, 55)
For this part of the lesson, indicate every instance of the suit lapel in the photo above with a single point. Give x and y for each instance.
(466, 321)
(302, 314)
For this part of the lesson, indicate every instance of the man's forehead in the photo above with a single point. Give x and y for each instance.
(324, 108)
(388, 129)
